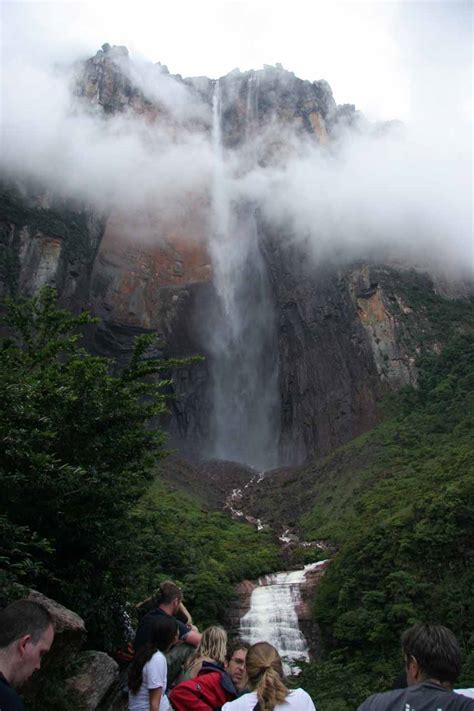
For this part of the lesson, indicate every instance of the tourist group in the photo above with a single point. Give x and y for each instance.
(174, 667)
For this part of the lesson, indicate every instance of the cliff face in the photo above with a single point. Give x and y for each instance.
(262, 98)
(45, 240)
(346, 337)
(346, 334)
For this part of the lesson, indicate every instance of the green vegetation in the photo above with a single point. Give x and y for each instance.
(405, 534)
(73, 226)
(86, 518)
(78, 519)
(205, 551)
(429, 317)
(76, 455)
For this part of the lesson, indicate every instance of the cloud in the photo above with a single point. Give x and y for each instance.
(405, 190)
(156, 85)
(75, 150)
(400, 193)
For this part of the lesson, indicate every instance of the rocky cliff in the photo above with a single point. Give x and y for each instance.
(346, 333)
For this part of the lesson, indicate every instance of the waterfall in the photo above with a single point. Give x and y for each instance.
(242, 334)
(272, 615)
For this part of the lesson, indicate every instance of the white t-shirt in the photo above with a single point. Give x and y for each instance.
(465, 692)
(298, 700)
(154, 677)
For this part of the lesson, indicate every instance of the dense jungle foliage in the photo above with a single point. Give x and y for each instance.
(84, 517)
(406, 536)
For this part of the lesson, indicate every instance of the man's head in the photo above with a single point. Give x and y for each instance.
(170, 597)
(431, 652)
(26, 634)
(235, 662)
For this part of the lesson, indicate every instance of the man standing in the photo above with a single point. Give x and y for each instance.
(433, 663)
(170, 602)
(26, 634)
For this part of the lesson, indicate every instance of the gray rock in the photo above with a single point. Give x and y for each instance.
(96, 674)
(70, 630)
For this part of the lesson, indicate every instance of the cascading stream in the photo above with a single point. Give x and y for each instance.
(242, 335)
(273, 618)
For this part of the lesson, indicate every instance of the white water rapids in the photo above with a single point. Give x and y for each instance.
(272, 616)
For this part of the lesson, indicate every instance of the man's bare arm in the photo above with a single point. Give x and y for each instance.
(192, 638)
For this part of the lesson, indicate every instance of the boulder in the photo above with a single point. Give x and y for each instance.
(70, 630)
(96, 675)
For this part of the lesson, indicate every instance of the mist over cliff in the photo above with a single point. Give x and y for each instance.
(396, 186)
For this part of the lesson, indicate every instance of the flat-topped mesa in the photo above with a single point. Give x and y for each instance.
(270, 95)
(257, 97)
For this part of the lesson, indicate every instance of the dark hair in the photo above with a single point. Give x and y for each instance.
(162, 633)
(21, 618)
(436, 650)
(168, 592)
(234, 645)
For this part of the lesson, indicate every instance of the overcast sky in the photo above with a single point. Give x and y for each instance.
(388, 58)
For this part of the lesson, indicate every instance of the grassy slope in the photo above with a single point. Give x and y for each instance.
(404, 522)
(204, 550)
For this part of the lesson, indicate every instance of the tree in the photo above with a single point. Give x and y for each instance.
(76, 454)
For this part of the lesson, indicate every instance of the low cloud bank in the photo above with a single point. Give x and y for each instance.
(75, 150)
(405, 190)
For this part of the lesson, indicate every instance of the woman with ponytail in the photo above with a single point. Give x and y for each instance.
(147, 676)
(265, 681)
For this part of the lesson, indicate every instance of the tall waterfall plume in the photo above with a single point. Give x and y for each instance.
(242, 338)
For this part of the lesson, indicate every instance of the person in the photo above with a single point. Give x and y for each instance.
(26, 634)
(147, 676)
(267, 689)
(432, 662)
(153, 601)
(213, 685)
(212, 648)
(170, 602)
(235, 663)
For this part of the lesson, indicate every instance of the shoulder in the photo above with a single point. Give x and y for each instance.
(301, 698)
(151, 614)
(158, 658)
(9, 699)
(465, 699)
(380, 701)
(148, 618)
(246, 702)
(157, 661)
(467, 693)
(208, 676)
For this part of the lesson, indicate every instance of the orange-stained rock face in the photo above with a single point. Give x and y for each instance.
(372, 311)
(141, 254)
(393, 362)
(168, 254)
(319, 127)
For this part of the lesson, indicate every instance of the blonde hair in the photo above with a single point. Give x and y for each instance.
(213, 645)
(265, 675)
